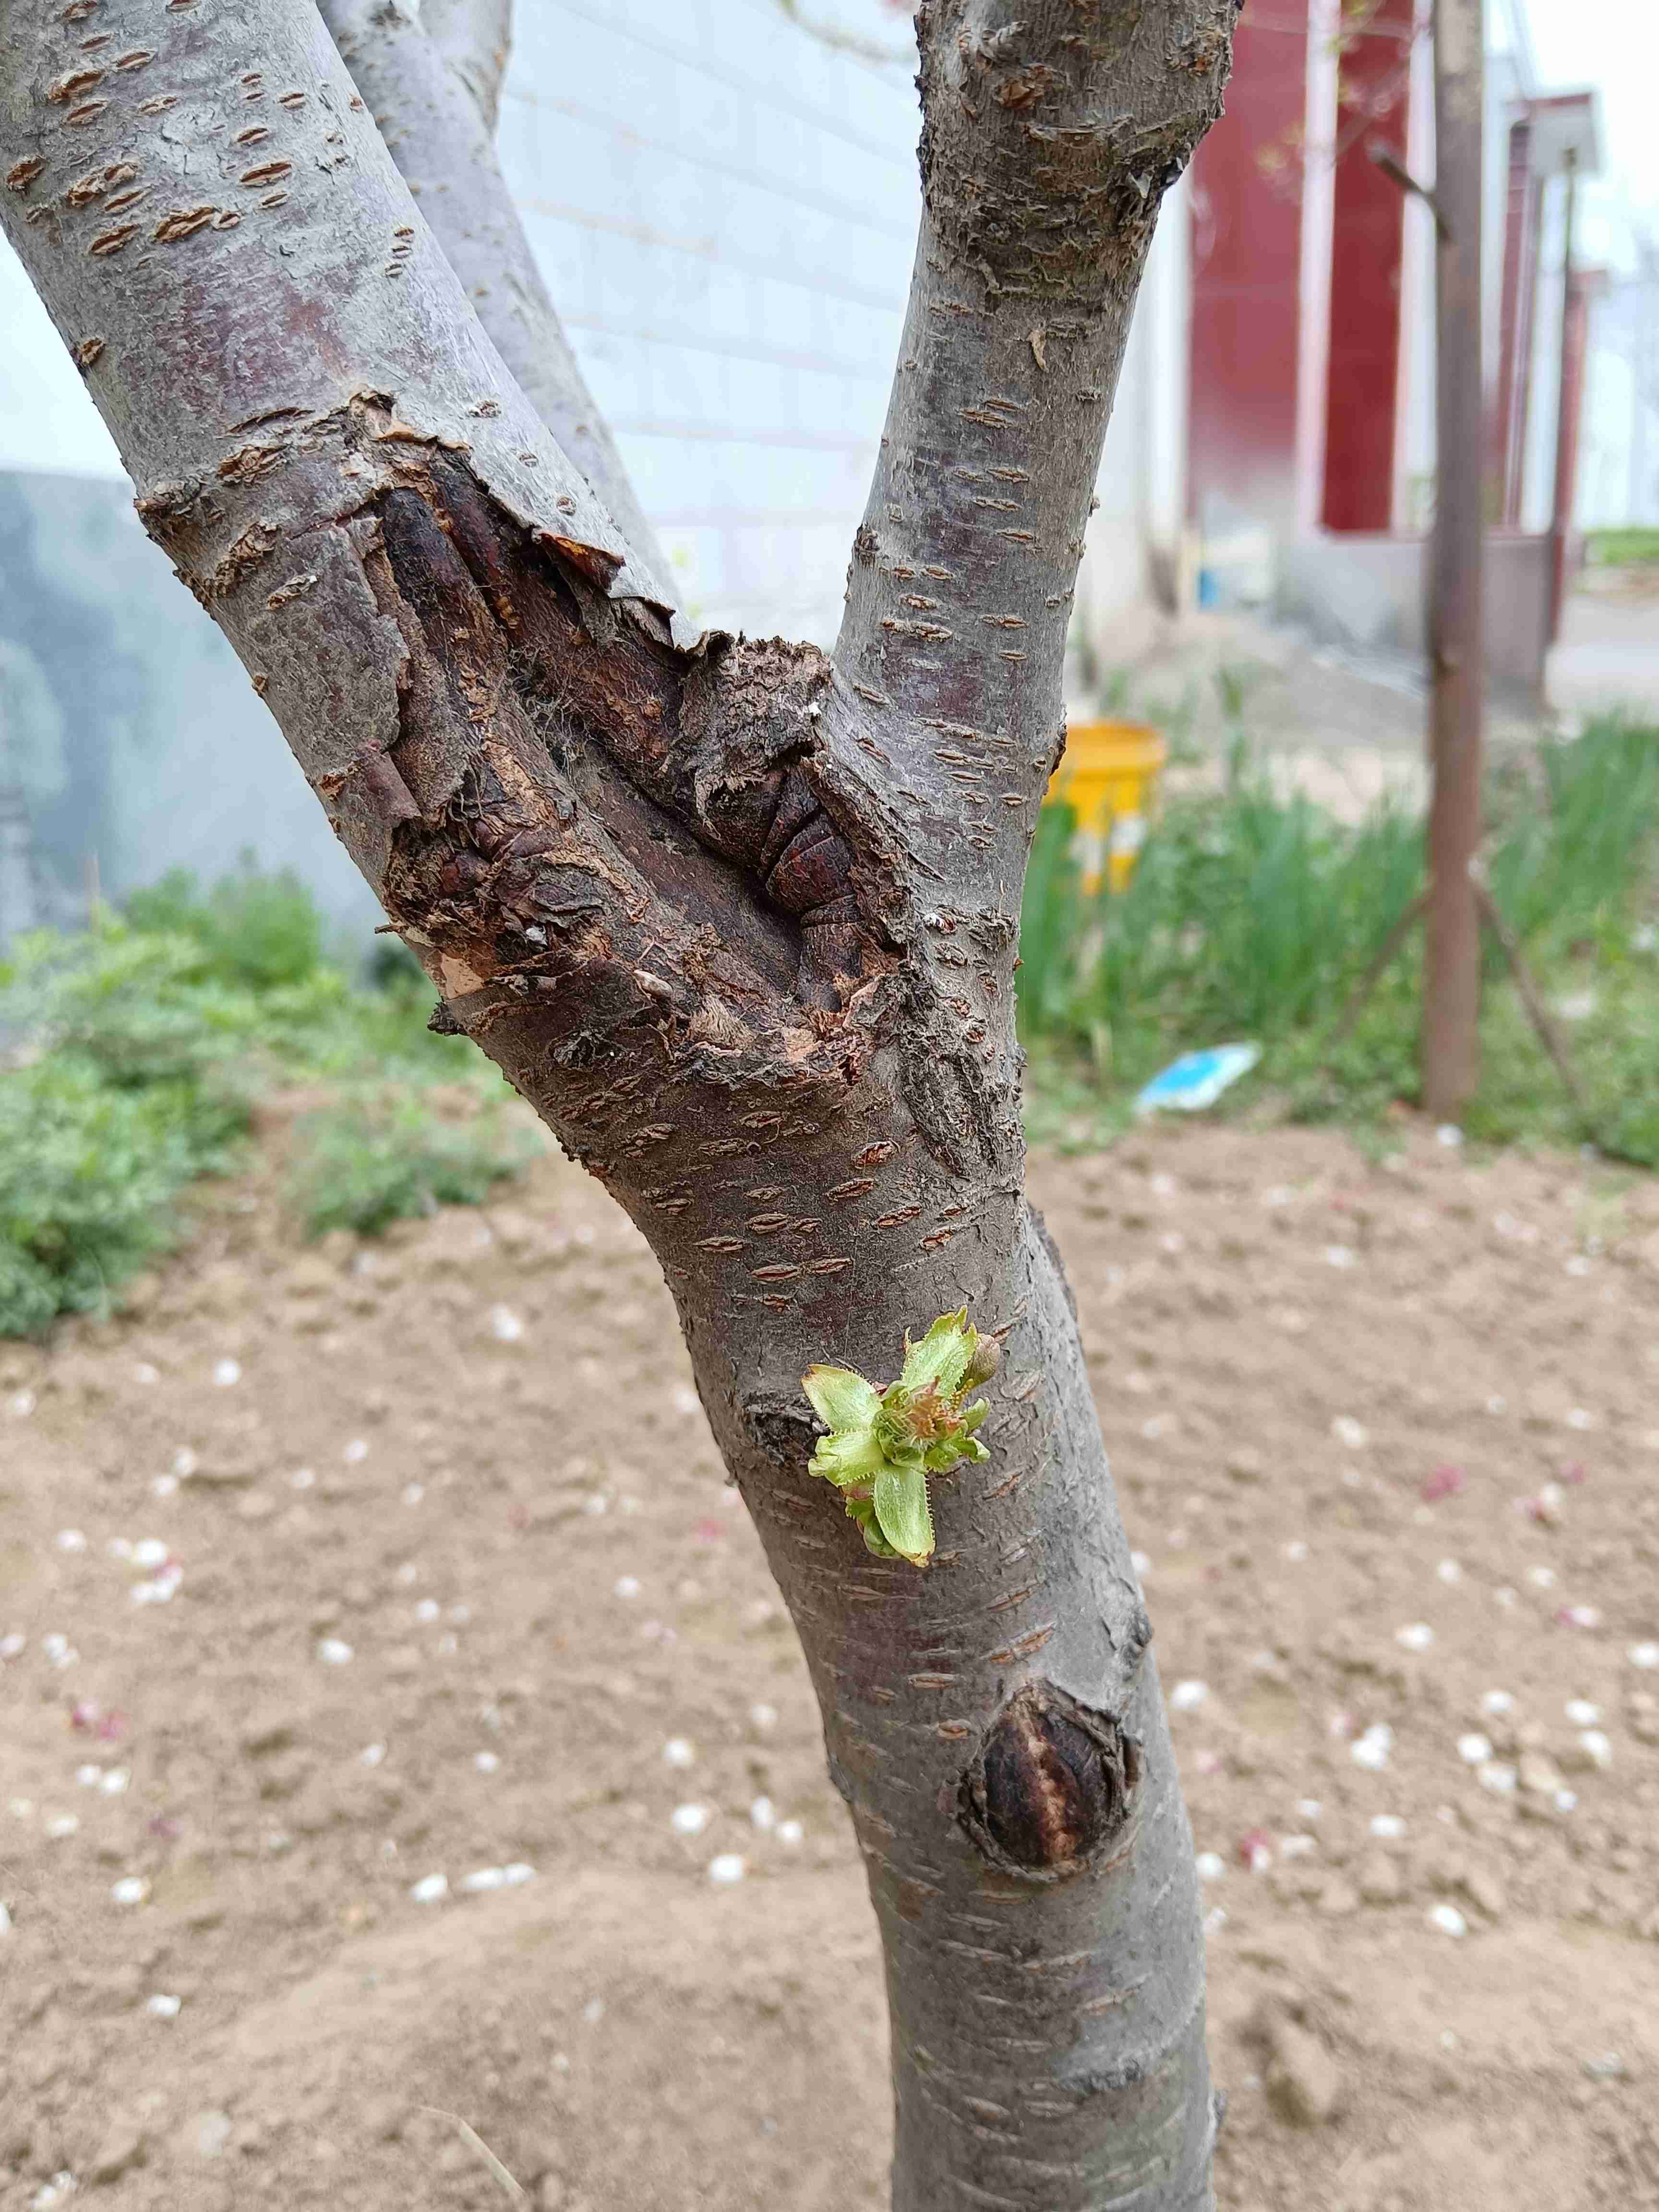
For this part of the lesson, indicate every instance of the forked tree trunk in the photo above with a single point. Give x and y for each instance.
(738, 919)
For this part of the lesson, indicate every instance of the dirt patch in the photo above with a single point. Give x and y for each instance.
(337, 1572)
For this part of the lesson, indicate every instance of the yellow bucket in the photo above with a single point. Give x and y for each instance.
(1108, 774)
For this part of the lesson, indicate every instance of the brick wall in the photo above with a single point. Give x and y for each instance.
(724, 209)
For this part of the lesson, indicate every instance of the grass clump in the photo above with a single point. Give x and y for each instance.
(132, 1054)
(1253, 915)
(1635, 547)
(379, 1159)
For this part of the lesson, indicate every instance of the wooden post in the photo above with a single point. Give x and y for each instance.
(1449, 1044)
(1567, 391)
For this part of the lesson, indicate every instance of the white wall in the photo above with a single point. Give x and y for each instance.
(1140, 519)
(726, 211)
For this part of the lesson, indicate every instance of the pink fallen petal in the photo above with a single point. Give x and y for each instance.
(1573, 1472)
(1256, 1849)
(1444, 1482)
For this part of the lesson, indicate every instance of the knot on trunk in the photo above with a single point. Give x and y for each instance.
(1050, 1789)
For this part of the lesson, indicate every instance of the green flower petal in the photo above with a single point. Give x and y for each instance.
(861, 1510)
(852, 1458)
(901, 1503)
(942, 1355)
(841, 1398)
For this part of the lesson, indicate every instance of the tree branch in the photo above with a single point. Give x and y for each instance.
(475, 36)
(1051, 131)
(434, 99)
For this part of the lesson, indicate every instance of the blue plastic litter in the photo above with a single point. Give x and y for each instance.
(1197, 1079)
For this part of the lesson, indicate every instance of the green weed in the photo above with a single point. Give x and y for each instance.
(131, 1054)
(1254, 915)
(379, 1159)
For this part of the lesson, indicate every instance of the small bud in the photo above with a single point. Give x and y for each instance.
(986, 1360)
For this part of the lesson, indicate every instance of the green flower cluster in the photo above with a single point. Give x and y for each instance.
(883, 1445)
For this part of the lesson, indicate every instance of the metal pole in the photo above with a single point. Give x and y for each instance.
(1449, 1044)
(1566, 401)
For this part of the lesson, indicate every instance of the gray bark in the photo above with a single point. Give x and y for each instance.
(738, 919)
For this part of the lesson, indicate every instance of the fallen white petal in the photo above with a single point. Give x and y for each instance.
(1371, 1750)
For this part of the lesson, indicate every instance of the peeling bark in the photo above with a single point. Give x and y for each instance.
(740, 920)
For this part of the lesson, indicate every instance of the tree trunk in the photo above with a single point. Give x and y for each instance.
(740, 920)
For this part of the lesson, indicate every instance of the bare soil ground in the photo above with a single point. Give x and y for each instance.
(325, 1573)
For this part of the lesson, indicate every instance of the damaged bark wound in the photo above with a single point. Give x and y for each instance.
(739, 918)
(1051, 1787)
